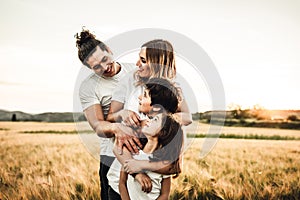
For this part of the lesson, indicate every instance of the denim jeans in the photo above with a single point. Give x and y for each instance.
(105, 163)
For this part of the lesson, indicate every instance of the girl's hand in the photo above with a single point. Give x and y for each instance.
(145, 181)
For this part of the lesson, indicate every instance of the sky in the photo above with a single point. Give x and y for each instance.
(254, 45)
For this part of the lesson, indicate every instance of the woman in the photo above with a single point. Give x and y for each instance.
(156, 60)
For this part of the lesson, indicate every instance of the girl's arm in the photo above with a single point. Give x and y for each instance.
(123, 185)
(165, 189)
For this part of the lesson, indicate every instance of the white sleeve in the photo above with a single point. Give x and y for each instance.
(87, 94)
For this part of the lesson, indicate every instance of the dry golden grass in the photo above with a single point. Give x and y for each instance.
(241, 169)
(57, 166)
(196, 127)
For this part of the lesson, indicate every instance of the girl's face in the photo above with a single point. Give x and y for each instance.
(144, 102)
(144, 68)
(153, 126)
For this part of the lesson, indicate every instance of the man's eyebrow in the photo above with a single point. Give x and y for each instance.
(96, 66)
(104, 58)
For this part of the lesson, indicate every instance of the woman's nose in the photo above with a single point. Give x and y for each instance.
(138, 63)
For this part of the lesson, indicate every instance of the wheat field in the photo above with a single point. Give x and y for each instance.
(58, 166)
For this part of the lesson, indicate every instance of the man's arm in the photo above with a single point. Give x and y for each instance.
(114, 114)
(103, 128)
(117, 113)
(123, 134)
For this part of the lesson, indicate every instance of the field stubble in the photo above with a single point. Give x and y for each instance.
(58, 166)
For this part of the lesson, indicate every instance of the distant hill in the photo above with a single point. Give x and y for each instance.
(42, 117)
(286, 119)
(239, 118)
(279, 115)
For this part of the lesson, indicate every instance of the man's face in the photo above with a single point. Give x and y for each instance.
(101, 62)
(144, 102)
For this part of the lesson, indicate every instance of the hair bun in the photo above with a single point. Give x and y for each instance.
(83, 37)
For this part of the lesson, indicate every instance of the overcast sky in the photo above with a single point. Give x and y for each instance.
(255, 46)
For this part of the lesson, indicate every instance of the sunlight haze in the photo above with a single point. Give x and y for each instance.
(255, 46)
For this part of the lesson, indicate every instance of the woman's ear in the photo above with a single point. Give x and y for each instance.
(156, 108)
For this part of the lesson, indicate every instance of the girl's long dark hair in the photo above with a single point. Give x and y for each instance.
(170, 143)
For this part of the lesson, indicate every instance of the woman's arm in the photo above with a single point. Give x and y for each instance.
(165, 189)
(123, 185)
(132, 166)
(183, 114)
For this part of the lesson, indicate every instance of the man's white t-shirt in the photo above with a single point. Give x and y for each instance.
(98, 90)
(128, 93)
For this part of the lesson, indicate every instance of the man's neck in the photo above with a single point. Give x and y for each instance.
(118, 67)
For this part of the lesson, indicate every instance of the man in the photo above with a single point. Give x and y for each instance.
(95, 95)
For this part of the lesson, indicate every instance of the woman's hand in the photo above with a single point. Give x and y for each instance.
(132, 166)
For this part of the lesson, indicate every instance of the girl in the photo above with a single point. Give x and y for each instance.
(165, 141)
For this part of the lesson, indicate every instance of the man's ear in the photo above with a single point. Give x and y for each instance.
(108, 50)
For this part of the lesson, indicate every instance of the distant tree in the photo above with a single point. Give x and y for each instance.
(258, 107)
(260, 113)
(14, 117)
(292, 118)
(236, 110)
(82, 118)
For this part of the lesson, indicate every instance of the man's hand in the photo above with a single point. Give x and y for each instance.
(124, 135)
(145, 181)
(130, 118)
(132, 166)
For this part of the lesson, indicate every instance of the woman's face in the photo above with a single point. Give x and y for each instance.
(153, 126)
(144, 68)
